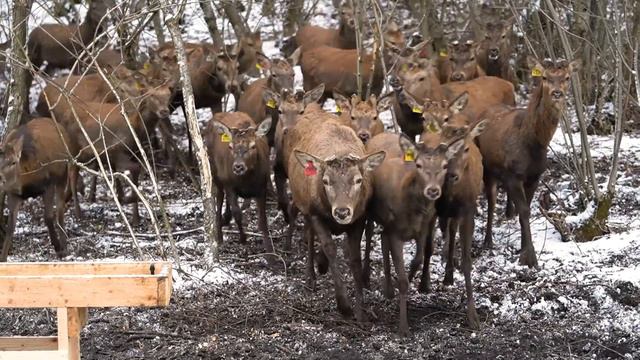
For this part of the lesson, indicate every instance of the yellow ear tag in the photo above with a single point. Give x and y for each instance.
(146, 66)
(409, 155)
(431, 127)
(535, 72)
(404, 67)
(225, 138)
(258, 66)
(338, 109)
(417, 110)
(444, 53)
(271, 103)
(138, 85)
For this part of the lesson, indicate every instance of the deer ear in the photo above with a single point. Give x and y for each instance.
(479, 128)
(533, 63)
(271, 97)
(406, 145)
(575, 65)
(313, 95)
(384, 103)
(459, 103)
(264, 127)
(409, 100)
(343, 104)
(221, 128)
(305, 159)
(371, 162)
(294, 59)
(454, 148)
(17, 148)
(262, 62)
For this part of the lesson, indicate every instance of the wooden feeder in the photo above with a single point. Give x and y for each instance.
(72, 287)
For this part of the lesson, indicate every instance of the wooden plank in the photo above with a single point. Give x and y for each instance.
(63, 329)
(84, 291)
(74, 327)
(16, 343)
(84, 268)
(33, 355)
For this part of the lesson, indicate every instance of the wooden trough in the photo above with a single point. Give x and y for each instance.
(72, 287)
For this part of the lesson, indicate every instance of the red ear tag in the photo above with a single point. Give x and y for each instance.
(310, 169)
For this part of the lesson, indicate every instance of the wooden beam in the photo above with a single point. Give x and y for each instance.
(33, 355)
(21, 343)
(84, 268)
(85, 291)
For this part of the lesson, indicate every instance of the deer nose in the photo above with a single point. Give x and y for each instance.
(342, 213)
(239, 168)
(458, 76)
(432, 193)
(454, 177)
(557, 94)
(494, 52)
(364, 136)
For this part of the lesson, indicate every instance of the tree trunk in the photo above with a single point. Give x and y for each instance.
(294, 17)
(234, 17)
(206, 183)
(431, 26)
(128, 46)
(157, 20)
(210, 18)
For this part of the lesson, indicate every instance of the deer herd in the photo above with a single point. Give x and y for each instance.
(461, 133)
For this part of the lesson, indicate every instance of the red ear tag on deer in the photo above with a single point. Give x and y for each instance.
(310, 169)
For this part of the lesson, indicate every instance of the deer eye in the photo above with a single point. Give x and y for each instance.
(418, 166)
(445, 166)
(446, 119)
(504, 36)
(544, 78)
(466, 150)
(325, 182)
(353, 117)
(358, 181)
(472, 58)
(301, 112)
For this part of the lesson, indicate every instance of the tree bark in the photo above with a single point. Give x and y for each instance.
(234, 17)
(206, 183)
(293, 18)
(157, 20)
(210, 18)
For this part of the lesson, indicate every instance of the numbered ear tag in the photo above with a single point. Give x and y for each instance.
(338, 109)
(409, 155)
(225, 138)
(417, 110)
(431, 127)
(535, 72)
(310, 169)
(271, 103)
(444, 52)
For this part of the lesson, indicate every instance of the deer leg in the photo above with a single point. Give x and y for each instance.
(92, 189)
(451, 246)
(48, 199)
(403, 282)
(293, 213)
(72, 181)
(330, 250)
(219, 203)
(453, 231)
(491, 193)
(352, 245)
(232, 199)
(528, 253)
(366, 265)
(466, 238)
(529, 190)
(387, 285)
(311, 251)
(184, 111)
(13, 204)
(281, 194)
(60, 210)
(262, 225)
(418, 260)
(425, 280)
(443, 224)
(510, 211)
(169, 146)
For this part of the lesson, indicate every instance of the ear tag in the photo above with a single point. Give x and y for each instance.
(404, 67)
(417, 110)
(225, 138)
(310, 169)
(338, 109)
(431, 127)
(271, 103)
(146, 66)
(409, 155)
(536, 72)
(138, 85)
(444, 52)
(258, 66)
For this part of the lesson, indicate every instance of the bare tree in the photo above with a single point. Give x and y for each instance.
(210, 18)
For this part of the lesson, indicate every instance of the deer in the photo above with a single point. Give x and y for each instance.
(362, 116)
(291, 109)
(330, 178)
(461, 63)
(249, 53)
(239, 156)
(34, 162)
(60, 45)
(257, 103)
(310, 37)
(405, 189)
(110, 134)
(495, 49)
(515, 143)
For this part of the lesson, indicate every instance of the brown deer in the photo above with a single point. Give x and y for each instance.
(362, 116)
(33, 162)
(310, 37)
(108, 131)
(291, 108)
(514, 147)
(248, 50)
(495, 50)
(257, 103)
(61, 45)
(461, 63)
(405, 189)
(330, 179)
(239, 156)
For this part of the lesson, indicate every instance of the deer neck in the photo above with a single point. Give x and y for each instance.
(542, 117)
(89, 29)
(347, 37)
